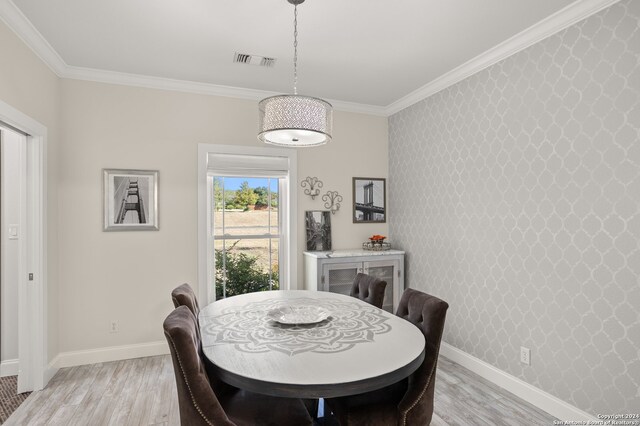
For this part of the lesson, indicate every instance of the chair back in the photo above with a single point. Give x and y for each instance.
(184, 295)
(196, 399)
(368, 288)
(428, 314)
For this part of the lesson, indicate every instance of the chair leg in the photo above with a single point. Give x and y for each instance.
(312, 407)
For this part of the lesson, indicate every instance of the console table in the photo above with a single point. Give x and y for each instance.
(335, 271)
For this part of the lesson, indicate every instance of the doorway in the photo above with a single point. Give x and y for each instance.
(12, 209)
(27, 230)
(12, 149)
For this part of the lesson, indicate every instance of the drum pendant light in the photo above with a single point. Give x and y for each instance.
(295, 120)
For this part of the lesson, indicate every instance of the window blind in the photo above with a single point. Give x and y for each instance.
(247, 165)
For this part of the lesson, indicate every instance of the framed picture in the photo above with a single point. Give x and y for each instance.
(369, 200)
(130, 200)
(318, 224)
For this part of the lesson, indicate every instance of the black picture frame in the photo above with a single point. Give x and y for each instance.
(318, 226)
(369, 200)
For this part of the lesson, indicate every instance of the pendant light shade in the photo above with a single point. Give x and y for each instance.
(294, 120)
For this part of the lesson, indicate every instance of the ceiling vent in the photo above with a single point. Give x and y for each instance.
(263, 61)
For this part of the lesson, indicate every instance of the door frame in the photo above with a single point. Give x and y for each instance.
(32, 309)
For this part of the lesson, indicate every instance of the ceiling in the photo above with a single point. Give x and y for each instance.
(367, 52)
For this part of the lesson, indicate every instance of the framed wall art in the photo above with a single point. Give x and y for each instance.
(369, 200)
(130, 200)
(318, 224)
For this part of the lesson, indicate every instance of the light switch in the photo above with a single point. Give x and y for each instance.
(14, 230)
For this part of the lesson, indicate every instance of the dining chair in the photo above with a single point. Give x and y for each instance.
(368, 288)
(410, 401)
(198, 401)
(184, 295)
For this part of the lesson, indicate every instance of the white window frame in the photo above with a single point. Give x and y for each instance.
(226, 237)
(287, 213)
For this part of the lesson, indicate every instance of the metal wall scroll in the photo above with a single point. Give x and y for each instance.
(312, 186)
(333, 200)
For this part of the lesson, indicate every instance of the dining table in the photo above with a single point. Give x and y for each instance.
(307, 344)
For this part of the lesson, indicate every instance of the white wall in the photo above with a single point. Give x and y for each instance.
(12, 144)
(95, 277)
(359, 149)
(128, 276)
(29, 86)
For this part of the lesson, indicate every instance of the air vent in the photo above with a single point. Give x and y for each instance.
(267, 62)
(243, 58)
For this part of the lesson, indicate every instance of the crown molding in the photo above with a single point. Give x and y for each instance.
(575, 12)
(161, 83)
(24, 29)
(358, 108)
(13, 17)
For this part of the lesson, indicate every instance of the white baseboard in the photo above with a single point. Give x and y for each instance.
(9, 367)
(537, 397)
(51, 369)
(112, 353)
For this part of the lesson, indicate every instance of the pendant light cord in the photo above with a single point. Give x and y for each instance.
(295, 49)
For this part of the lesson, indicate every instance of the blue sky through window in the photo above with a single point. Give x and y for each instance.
(233, 183)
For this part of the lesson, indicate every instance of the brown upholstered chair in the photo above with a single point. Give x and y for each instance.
(368, 288)
(199, 402)
(410, 401)
(184, 295)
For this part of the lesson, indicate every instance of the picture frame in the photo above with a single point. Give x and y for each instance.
(318, 226)
(130, 200)
(369, 200)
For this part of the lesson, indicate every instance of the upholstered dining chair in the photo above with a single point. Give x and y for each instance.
(199, 402)
(183, 295)
(368, 288)
(410, 401)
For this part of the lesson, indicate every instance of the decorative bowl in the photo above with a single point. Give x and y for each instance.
(301, 314)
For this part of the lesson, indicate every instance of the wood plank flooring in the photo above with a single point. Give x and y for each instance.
(464, 398)
(142, 392)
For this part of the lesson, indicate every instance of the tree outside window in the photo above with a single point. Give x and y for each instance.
(246, 235)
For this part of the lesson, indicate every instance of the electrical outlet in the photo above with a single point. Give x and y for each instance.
(525, 355)
(113, 327)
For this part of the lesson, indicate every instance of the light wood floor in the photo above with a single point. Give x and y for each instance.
(464, 398)
(142, 392)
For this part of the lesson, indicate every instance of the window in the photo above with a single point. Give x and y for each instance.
(246, 234)
(247, 229)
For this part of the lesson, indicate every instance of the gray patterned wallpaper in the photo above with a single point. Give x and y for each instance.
(516, 194)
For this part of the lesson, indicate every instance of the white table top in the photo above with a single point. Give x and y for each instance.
(352, 253)
(359, 348)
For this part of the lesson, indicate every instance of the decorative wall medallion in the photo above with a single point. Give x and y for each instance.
(332, 201)
(250, 329)
(312, 186)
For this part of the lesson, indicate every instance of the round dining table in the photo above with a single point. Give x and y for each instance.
(333, 345)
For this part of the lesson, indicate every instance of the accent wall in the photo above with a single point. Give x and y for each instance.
(516, 193)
